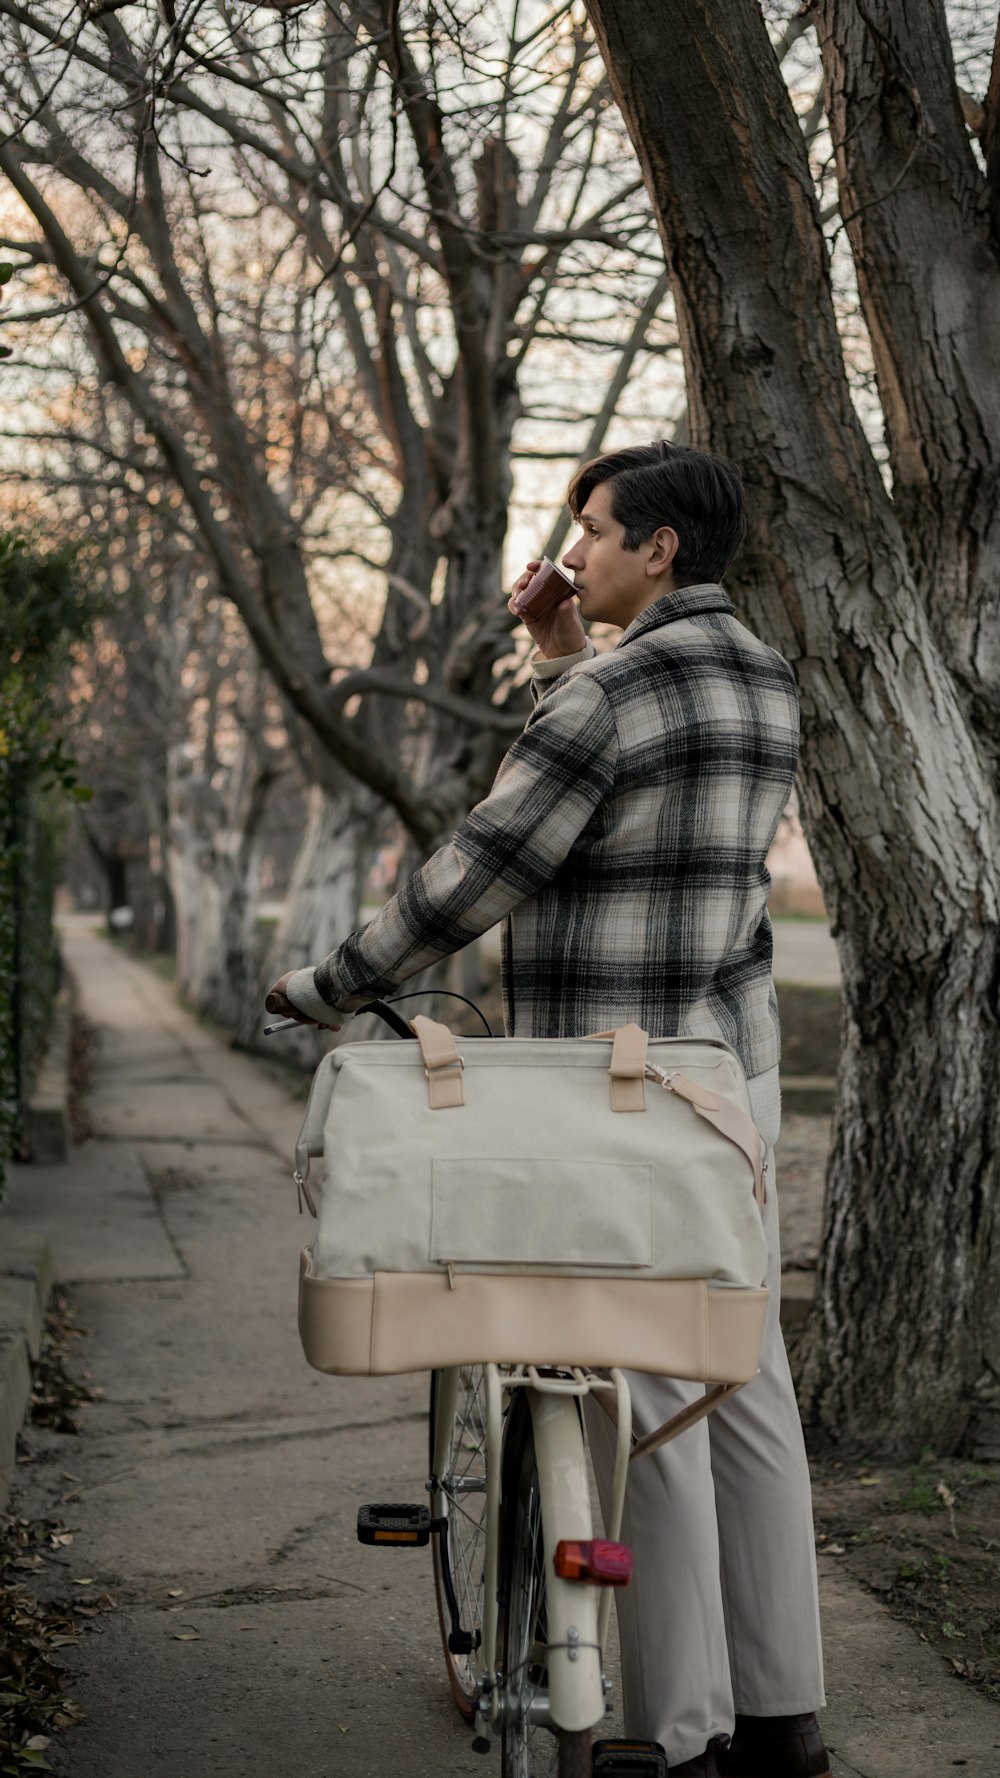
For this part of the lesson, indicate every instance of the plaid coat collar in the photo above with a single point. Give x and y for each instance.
(687, 601)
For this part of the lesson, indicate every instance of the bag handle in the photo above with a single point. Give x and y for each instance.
(628, 1070)
(444, 1067)
(628, 1065)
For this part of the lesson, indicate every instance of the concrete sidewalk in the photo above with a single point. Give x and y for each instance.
(214, 1486)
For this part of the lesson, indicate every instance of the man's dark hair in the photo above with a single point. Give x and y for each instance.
(700, 496)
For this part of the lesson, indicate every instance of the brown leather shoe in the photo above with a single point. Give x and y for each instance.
(774, 1747)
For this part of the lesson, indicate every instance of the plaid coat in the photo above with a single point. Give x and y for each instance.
(623, 845)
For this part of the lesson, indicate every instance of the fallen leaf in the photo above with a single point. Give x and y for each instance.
(175, 1592)
(84, 1580)
(186, 1636)
(37, 1743)
(834, 1549)
(67, 1715)
(870, 1481)
(949, 1500)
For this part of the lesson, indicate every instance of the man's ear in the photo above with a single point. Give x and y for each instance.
(665, 544)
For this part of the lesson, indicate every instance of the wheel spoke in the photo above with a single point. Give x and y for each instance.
(462, 1501)
(531, 1750)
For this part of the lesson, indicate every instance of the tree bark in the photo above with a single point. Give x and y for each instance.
(916, 212)
(897, 793)
(213, 864)
(219, 976)
(323, 906)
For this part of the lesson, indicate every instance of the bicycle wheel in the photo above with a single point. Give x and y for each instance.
(459, 1498)
(529, 1749)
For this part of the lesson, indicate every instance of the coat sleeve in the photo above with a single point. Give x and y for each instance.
(559, 770)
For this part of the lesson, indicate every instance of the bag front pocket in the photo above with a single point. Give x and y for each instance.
(541, 1212)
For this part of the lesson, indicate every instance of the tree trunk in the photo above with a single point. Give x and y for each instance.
(911, 1237)
(915, 211)
(897, 794)
(184, 875)
(220, 978)
(213, 864)
(323, 907)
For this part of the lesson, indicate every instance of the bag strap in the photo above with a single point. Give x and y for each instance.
(443, 1065)
(727, 1118)
(629, 1069)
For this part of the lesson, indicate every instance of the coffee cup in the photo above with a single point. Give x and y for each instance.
(545, 590)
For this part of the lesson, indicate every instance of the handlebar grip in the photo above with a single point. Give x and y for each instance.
(273, 1003)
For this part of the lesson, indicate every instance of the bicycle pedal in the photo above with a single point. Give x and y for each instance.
(629, 1759)
(394, 1526)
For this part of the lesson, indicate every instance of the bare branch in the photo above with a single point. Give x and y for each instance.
(307, 698)
(427, 128)
(372, 679)
(990, 138)
(609, 407)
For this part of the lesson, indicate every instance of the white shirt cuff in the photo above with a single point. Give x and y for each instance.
(304, 995)
(551, 669)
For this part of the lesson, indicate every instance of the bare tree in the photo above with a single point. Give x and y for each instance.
(176, 739)
(887, 607)
(354, 172)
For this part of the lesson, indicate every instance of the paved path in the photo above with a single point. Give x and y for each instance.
(214, 1486)
(805, 953)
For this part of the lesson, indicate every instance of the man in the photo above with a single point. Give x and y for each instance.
(624, 844)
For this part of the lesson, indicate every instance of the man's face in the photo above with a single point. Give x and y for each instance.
(614, 584)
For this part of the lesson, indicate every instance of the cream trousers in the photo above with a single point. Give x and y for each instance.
(722, 1614)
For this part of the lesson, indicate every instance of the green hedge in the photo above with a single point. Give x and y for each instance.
(8, 1001)
(29, 958)
(44, 608)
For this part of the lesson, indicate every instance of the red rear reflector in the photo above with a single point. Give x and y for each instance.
(598, 1560)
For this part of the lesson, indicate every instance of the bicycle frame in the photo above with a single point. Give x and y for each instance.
(578, 1615)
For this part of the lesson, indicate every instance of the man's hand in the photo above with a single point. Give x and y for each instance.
(560, 631)
(276, 1001)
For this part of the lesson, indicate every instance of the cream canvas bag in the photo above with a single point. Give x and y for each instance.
(588, 1201)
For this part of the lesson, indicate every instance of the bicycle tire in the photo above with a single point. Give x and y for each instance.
(575, 1753)
(528, 1750)
(462, 1556)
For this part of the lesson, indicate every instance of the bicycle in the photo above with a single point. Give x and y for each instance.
(523, 1587)
(523, 1639)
